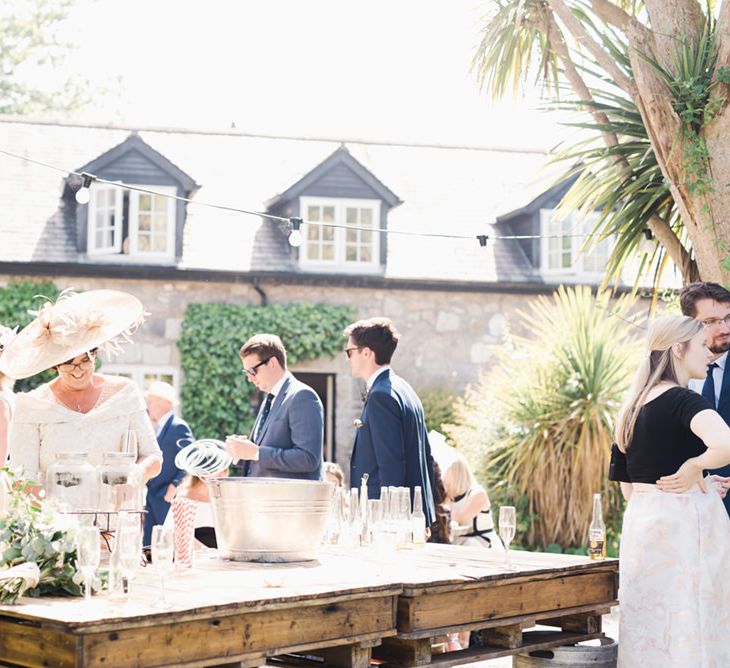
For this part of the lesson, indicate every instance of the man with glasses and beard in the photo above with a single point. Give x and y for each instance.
(287, 435)
(710, 304)
(391, 442)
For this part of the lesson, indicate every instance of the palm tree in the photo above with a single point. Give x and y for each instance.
(653, 77)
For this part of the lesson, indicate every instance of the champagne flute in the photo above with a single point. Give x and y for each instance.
(507, 526)
(162, 552)
(129, 546)
(88, 554)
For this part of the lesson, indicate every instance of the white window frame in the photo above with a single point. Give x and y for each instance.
(137, 372)
(134, 196)
(340, 238)
(580, 226)
(95, 189)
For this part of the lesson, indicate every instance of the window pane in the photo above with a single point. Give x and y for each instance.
(366, 217)
(313, 214)
(328, 252)
(351, 216)
(366, 237)
(159, 243)
(313, 252)
(144, 222)
(351, 254)
(313, 232)
(328, 214)
(351, 236)
(366, 254)
(161, 204)
(145, 202)
(143, 242)
(328, 233)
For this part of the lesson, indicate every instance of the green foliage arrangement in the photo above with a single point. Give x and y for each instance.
(217, 398)
(38, 546)
(539, 427)
(15, 301)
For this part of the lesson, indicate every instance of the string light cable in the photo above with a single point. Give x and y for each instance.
(83, 195)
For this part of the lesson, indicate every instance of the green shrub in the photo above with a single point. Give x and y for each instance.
(216, 396)
(15, 301)
(438, 406)
(539, 427)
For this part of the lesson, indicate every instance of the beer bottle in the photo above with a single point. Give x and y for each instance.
(597, 531)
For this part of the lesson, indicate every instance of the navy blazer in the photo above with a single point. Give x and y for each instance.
(723, 408)
(391, 444)
(291, 439)
(174, 430)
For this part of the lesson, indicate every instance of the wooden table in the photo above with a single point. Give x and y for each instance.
(338, 609)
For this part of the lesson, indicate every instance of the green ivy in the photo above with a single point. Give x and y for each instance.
(15, 301)
(217, 398)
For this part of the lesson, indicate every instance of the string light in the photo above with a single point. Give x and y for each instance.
(83, 194)
(295, 237)
(294, 223)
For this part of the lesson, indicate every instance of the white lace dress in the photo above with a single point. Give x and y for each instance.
(42, 426)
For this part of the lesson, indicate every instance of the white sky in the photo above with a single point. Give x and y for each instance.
(394, 70)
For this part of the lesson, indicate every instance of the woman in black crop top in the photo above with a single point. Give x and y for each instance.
(675, 543)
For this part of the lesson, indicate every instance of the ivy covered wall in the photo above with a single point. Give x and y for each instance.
(216, 396)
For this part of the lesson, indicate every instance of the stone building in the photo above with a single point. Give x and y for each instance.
(450, 296)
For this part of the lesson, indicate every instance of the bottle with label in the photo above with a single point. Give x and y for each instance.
(597, 531)
(418, 519)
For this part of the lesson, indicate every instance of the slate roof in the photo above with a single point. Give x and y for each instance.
(460, 190)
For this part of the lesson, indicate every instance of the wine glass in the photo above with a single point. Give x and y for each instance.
(162, 552)
(129, 546)
(507, 525)
(88, 554)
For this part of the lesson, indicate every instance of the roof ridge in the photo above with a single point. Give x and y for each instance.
(12, 118)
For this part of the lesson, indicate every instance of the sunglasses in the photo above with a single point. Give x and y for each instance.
(253, 370)
(349, 351)
(84, 365)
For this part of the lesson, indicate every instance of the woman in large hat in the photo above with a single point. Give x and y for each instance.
(79, 410)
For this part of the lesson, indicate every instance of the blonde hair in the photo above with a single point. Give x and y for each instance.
(659, 364)
(458, 477)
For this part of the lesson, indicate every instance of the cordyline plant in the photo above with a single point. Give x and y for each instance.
(543, 419)
(34, 533)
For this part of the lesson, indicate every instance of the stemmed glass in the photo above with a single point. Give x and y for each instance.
(507, 526)
(162, 552)
(129, 546)
(88, 554)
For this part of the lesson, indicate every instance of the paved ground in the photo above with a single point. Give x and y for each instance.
(610, 628)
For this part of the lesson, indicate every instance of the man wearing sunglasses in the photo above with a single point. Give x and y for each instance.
(710, 304)
(288, 433)
(391, 444)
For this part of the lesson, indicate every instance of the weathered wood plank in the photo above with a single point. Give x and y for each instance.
(236, 637)
(590, 622)
(509, 636)
(404, 652)
(445, 610)
(31, 644)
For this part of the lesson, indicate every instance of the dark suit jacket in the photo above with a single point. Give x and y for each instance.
(290, 443)
(392, 444)
(723, 408)
(174, 430)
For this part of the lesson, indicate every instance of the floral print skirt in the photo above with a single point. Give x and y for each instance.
(674, 589)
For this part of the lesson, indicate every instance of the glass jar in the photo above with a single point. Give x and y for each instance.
(120, 482)
(72, 482)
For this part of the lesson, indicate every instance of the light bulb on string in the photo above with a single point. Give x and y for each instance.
(83, 194)
(295, 237)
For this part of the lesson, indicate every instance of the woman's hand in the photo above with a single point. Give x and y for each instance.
(721, 484)
(687, 476)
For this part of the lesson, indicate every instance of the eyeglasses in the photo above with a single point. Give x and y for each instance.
(84, 365)
(712, 322)
(348, 351)
(252, 371)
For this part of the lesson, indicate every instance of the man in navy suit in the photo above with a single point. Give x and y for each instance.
(287, 436)
(391, 443)
(172, 434)
(710, 304)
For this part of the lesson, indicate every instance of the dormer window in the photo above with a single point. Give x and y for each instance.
(340, 247)
(129, 222)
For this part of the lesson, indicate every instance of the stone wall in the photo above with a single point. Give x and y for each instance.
(448, 338)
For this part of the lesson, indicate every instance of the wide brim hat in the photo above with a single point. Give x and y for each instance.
(73, 325)
(160, 388)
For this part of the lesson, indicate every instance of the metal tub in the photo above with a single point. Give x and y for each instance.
(269, 519)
